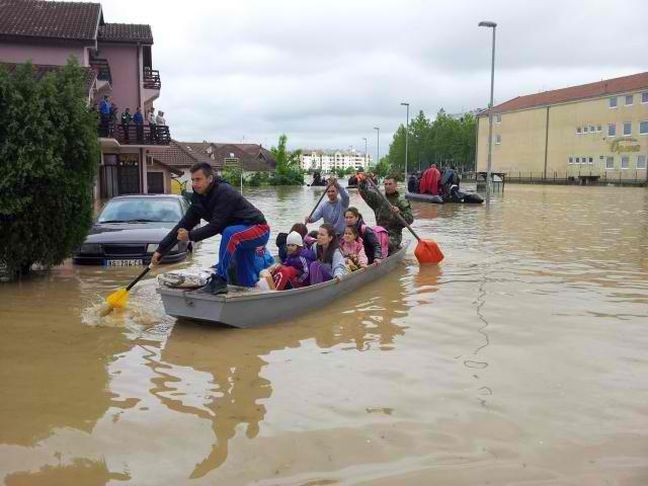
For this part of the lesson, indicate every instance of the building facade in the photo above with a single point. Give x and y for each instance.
(596, 131)
(327, 160)
(120, 58)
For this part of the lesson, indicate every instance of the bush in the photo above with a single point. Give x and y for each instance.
(48, 157)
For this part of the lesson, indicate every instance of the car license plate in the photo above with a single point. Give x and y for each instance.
(124, 263)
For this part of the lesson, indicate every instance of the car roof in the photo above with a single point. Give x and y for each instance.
(148, 196)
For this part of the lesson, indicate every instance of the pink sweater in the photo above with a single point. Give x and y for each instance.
(354, 249)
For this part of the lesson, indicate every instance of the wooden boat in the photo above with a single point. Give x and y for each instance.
(468, 198)
(244, 307)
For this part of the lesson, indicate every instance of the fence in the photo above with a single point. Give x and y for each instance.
(618, 177)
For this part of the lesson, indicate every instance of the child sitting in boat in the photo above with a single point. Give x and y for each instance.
(352, 248)
(303, 232)
(294, 270)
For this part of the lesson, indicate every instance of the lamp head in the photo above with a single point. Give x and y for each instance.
(404, 104)
(487, 23)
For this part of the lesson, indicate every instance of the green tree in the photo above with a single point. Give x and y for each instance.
(288, 170)
(48, 158)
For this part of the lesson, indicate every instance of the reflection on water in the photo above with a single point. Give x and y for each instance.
(524, 349)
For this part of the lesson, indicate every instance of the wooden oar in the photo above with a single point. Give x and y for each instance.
(426, 251)
(119, 298)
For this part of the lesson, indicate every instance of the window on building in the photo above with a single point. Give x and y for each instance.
(571, 160)
(585, 129)
(498, 118)
(609, 162)
(578, 130)
(577, 160)
(643, 128)
(613, 102)
(592, 129)
(599, 128)
(584, 160)
(498, 139)
(611, 129)
(641, 161)
(625, 162)
(590, 161)
(644, 97)
(627, 128)
(629, 99)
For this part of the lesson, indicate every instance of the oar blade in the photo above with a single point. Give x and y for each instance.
(428, 251)
(118, 299)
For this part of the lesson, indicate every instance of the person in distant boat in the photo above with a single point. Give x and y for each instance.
(430, 181)
(449, 178)
(329, 261)
(242, 226)
(332, 209)
(386, 213)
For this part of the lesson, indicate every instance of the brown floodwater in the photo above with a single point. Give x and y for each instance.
(522, 359)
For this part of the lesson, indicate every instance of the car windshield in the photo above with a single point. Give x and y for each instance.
(140, 210)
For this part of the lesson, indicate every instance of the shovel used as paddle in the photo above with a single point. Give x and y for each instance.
(426, 251)
(119, 298)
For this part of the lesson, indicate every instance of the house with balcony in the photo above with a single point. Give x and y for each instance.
(119, 64)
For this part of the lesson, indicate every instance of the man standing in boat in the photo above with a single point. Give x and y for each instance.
(243, 228)
(332, 210)
(386, 214)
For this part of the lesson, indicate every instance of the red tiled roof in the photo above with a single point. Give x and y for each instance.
(181, 154)
(39, 19)
(252, 157)
(573, 93)
(126, 33)
(41, 70)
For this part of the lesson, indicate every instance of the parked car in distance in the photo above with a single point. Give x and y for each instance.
(129, 228)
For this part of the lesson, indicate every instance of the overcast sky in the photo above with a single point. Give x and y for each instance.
(326, 72)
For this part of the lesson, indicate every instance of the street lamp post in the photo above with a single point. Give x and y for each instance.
(366, 154)
(377, 145)
(406, 138)
(493, 25)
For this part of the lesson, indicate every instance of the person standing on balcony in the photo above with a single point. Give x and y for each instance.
(138, 119)
(104, 111)
(160, 122)
(125, 122)
(152, 125)
(242, 226)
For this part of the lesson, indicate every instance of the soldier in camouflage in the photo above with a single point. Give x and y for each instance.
(386, 214)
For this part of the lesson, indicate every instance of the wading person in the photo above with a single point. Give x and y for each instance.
(386, 214)
(243, 228)
(332, 210)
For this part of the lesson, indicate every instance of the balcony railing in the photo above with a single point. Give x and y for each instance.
(151, 79)
(102, 68)
(132, 134)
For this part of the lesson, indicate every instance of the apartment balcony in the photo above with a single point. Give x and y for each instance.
(116, 134)
(102, 68)
(151, 84)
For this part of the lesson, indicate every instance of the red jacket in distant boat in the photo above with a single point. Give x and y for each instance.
(430, 181)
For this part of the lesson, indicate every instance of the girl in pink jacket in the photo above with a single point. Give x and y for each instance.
(353, 249)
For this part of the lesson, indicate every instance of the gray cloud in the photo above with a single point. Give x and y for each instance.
(325, 73)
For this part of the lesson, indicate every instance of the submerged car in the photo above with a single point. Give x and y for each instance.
(129, 228)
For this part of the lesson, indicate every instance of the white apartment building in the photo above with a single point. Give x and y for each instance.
(327, 160)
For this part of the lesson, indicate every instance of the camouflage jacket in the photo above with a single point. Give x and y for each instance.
(385, 217)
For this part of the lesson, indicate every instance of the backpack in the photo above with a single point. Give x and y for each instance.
(383, 238)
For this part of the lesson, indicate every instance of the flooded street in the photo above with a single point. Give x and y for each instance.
(521, 359)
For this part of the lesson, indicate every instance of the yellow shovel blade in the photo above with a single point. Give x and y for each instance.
(118, 299)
